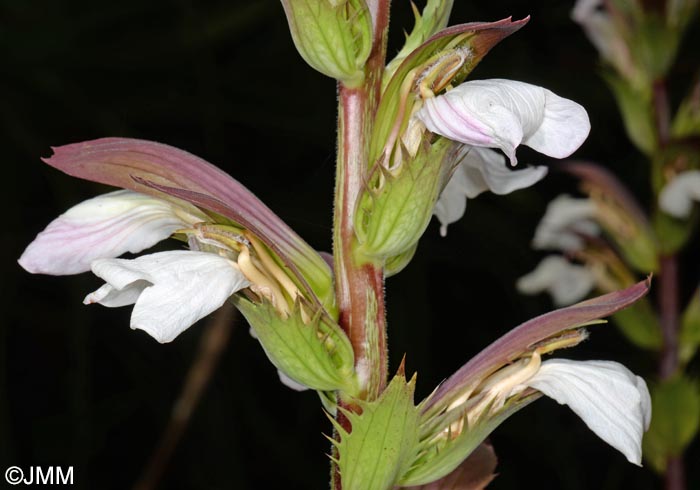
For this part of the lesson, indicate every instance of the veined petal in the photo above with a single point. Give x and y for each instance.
(503, 114)
(103, 227)
(676, 198)
(566, 282)
(171, 290)
(612, 401)
(480, 170)
(563, 223)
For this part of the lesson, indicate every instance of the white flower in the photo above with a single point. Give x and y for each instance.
(677, 196)
(105, 226)
(563, 223)
(567, 283)
(612, 401)
(479, 170)
(504, 114)
(170, 290)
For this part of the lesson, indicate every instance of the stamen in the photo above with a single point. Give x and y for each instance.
(265, 285)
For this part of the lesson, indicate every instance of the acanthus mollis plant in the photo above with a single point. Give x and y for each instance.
(414, 140)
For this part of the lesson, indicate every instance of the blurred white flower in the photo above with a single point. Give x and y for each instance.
(504, 114)
(678, 195)
(564, 222)
(567, 283)
(605, 36)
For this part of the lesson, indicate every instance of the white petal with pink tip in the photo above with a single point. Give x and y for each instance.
(102, 227)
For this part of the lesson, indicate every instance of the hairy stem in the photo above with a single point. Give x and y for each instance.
(359, 284)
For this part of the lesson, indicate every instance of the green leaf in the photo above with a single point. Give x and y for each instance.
(315, 352)
(383, 440)
(675, 421)
(689, 338)
(639, 324)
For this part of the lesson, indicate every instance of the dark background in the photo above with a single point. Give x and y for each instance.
(222, 79)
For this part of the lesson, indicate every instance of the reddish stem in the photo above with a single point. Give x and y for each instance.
(359, 285)
(668, 311)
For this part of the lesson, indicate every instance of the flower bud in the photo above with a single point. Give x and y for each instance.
(333, 36)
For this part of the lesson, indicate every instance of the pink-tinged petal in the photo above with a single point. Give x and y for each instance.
(514, 343)
(171, 290)
(103, 227)
(156, 169)
(504, 114)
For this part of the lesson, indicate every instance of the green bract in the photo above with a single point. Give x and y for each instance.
(392, 217)
(334, 37)
(313, 351)
(383, 441)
